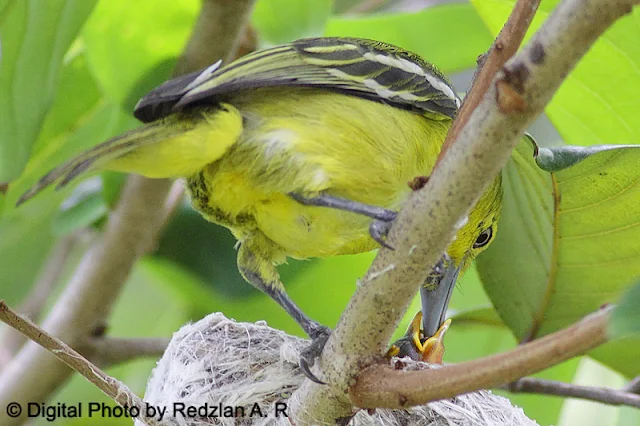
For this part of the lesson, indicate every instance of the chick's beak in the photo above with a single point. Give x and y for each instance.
(436, 293)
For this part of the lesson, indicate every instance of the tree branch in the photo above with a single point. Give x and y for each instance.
(427, 223)
(591, 393)
(134, 225)
(633, 386)
(172, 203)
(113, 388)
(503, 48)
(380, 386)
(111, 350)
(218, 33)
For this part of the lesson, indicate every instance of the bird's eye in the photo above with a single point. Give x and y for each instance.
(484, 238)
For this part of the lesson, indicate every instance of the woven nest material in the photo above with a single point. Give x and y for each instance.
(224, 370)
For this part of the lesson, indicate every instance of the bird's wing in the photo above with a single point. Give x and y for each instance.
(358, 67)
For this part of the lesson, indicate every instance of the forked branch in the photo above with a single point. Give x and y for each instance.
(427, 224)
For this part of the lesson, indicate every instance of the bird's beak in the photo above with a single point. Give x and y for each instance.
(436, 293)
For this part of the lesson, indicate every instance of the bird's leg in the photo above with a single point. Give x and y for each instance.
(260, 272)
(325, 200)
(378, 229)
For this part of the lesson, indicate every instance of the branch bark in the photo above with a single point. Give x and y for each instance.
(503, 48)
(111, 350)
(427, 223)
(591, 393)
(113, 388)
(34, 374)
(633, 386)
(380, 386)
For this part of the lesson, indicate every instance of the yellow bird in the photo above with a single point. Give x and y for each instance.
(268, 142)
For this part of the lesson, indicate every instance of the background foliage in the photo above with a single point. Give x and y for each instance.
(71, 71)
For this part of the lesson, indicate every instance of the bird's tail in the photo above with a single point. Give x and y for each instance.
(100, 155)
(177, 145)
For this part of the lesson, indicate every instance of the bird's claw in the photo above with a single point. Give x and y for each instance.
(309, 355)
(379, 231)
(379, 228)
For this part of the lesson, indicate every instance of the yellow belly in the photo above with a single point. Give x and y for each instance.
(305, 143)
(299, 231)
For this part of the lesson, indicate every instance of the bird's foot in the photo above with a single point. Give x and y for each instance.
(378, 229)
(413, 344)
(308, 356)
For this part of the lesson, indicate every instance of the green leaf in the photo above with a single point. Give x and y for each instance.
(625, 319)
(322, 290)
(450, 36)
(35, 35)
(204, 249)
(72, 124)
(78, 118)
(281, 21)
(84, 207)
(568, 242)
(125, 43)
(182, 287)
(478, 316)
(112, 185)
(597, 103)
(559, 158)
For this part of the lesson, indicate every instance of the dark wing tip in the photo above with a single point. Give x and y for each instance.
(159, 102)
(149, 109)
(164, 99)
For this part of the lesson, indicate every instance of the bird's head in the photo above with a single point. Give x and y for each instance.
(473, 238)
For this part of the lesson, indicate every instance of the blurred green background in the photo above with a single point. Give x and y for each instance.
(70, 73)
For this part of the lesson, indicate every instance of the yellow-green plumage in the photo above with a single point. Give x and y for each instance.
(343, 117)
(297, 143)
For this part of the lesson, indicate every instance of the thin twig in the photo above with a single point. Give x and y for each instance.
(591, 393)
(503, 48)
(633, 386)
(111, 350)
(380, 386)
(113, 388)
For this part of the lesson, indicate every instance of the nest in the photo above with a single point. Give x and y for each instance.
(222, 370)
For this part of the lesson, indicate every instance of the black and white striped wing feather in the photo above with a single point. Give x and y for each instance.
(358, 67)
